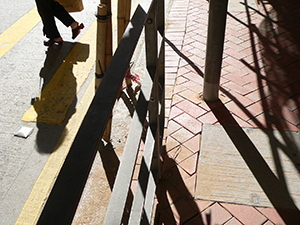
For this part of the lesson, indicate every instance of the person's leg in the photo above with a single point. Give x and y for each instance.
(47, 15)
(60, 13)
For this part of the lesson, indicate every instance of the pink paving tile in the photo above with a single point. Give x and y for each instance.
(233, 221)
(171, 62)
(197, 220)
(168, 92)
(173, 195)
(193, 86)
(239, 110)
(183, 63)
(284, 125)
(241, 99)
(180, 154)
(190, 164)
(187, 47)
(256, 95)
(182, 71)
(170, 82)
(167, 166)
(171, 143)
(269, 223)
(237, 88)
(183, 211)
(246, 214)
(188, 122)
(235, 53)
(190, 108)
(220, 112)
(182, 135)
(257, 84)
(263, 121)
(197, 60)
(203, 204)
(172, 127)
(175, 111)
(176, 98)
(236, 78)
(179, 88)
(215, 214)
(195, 77)
(181, 80)
(208, 118)
(168, 103)
(194, 143)
(272, 215)
(191, 95)
(286, 114)
(198, 52)
(234, 120)
(187, 189)
(172, 69)
(257, 108)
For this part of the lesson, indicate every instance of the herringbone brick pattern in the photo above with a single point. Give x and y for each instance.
(259, 87)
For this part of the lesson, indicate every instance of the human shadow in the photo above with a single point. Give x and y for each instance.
(52, 96)
(172, 195)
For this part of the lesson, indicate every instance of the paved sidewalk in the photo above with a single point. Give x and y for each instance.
(259, 89)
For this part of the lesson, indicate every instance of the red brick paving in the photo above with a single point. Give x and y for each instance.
(259, 88)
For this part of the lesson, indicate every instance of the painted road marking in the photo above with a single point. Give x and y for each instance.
(40, 192)
(56, 98)
(18, 30)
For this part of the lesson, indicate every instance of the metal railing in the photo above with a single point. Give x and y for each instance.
(65, 195)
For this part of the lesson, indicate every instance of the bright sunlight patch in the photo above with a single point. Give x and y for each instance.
(56, 98)
(249, 166)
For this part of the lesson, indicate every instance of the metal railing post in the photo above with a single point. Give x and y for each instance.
(214, 48)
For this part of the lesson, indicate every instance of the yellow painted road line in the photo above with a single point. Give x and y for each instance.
(42, 188)
(57, 97)
(18, 30)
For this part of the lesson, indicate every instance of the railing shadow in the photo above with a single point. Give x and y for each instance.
(219, 109)
(275, 188)
(169, 196)
(275, 54)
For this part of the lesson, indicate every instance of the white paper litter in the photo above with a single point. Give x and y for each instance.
(23, 132)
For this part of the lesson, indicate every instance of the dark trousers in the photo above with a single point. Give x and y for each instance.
(48, 9)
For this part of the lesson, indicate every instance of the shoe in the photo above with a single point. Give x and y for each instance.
(76, 31)
(52, 42)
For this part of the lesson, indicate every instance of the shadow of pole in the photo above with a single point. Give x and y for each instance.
(274, 188)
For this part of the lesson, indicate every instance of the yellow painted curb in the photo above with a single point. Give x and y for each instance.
(40, 192)
(18, 30)
(56, 98)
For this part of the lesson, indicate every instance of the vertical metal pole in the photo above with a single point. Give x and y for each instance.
(214, 48)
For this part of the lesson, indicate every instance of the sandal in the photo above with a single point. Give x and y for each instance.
(52, 42)
(76, 31)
